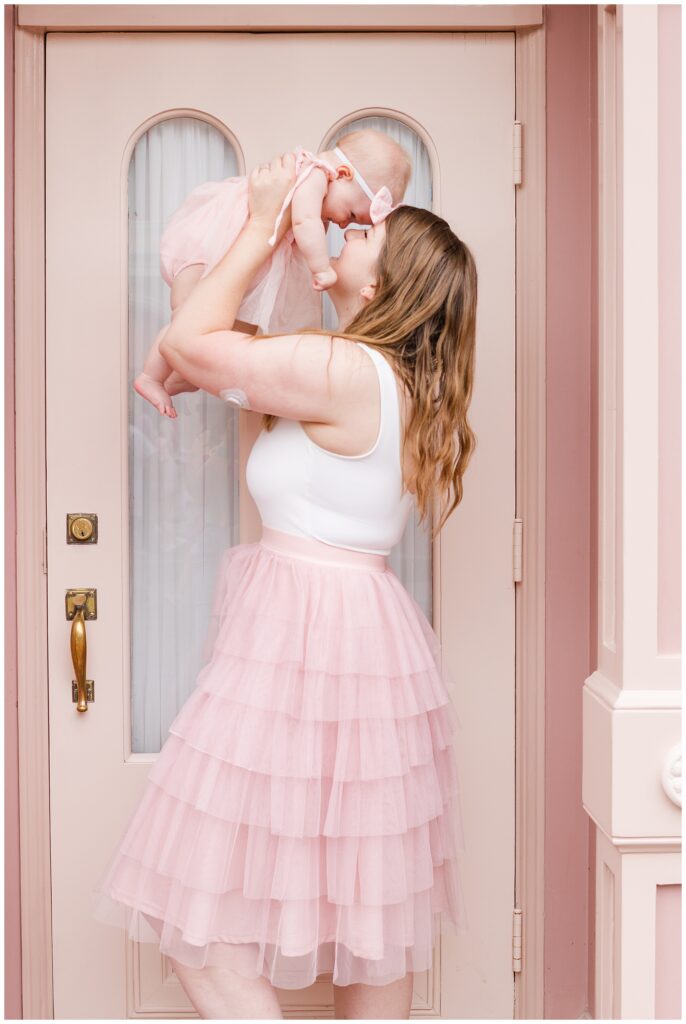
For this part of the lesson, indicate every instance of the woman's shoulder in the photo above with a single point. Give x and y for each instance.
(388, 359)
(403, 390)
(358, 355)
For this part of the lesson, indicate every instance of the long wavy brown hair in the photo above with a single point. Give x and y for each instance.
(423, 318)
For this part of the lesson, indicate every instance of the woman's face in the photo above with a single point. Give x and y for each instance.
(356, 267)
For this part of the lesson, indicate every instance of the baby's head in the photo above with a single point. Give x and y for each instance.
(380, 160)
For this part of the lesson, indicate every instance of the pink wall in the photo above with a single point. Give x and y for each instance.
(13, 1006)
(570, 440)
(668, 909)
(669, 284)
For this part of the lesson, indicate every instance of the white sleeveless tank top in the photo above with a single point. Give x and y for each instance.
(351, 501)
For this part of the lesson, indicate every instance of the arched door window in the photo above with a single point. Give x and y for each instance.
(182, 473)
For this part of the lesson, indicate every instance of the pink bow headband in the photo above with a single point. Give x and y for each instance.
(381, 202)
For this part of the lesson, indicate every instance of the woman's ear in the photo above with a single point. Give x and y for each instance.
(367, 292)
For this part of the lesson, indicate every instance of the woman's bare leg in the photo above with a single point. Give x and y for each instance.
(374, 1002)
(219, 993)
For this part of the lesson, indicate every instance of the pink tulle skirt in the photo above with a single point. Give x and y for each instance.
(280, 299)
(303, 816)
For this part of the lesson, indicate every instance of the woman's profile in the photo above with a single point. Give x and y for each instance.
(303, 815)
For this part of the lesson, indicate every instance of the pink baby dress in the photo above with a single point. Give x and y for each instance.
(280, 299)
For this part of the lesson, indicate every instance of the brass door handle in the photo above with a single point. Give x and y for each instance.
(78, 653)
(81, 605)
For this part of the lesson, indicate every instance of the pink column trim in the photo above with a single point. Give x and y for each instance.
(569, 444)
(13, 1001)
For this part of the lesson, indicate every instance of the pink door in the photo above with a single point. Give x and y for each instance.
(134, 120)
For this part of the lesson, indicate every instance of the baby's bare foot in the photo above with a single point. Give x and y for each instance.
(324, 279)
(155, 393)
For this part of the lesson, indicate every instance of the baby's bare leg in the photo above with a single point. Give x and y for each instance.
(182, 285)
(176, 384)
(150, 382)
(158, 382)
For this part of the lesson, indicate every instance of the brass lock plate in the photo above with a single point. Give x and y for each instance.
(90, 691)
(90, 610)
(82, 528)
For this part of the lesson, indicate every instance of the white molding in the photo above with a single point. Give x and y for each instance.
(531, 485)
(626, 880)
(273, 17)
(671, 774)
(618, 699)
(32, 625)
(633, 844)
(624, 750)
(632, 703)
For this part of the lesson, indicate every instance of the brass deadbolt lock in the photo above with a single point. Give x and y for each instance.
(82, 528)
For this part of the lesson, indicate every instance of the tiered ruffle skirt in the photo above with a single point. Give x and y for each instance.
(303, 815)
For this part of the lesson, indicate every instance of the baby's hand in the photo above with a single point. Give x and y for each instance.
(324, 279)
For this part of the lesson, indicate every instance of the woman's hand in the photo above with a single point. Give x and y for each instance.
(268, 186)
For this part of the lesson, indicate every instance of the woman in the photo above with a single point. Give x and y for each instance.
(303, 815)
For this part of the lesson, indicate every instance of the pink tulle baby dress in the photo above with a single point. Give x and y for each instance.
(280, 299)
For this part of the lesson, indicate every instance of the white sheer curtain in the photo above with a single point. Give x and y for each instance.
(183, 480)
(411, 559)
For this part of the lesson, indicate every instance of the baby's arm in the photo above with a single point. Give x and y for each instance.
(306, 219)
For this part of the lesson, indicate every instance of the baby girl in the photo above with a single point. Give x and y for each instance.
(358, 181)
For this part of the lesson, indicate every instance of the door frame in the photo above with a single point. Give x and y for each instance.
(31, 25)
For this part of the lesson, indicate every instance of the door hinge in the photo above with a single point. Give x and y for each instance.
(517, 939)
(517, 551)
(517, 153)
(44, 566)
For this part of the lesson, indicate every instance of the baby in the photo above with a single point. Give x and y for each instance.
(358, 181)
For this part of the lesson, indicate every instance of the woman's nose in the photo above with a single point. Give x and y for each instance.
(344, 224)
